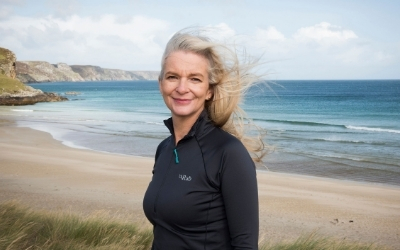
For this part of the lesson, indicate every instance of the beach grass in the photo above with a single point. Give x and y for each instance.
(24, 228)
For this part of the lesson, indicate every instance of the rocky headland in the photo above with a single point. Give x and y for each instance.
(39, 71)
(13, 91)
(13, 75)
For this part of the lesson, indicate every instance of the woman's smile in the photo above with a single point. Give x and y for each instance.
(182, 101)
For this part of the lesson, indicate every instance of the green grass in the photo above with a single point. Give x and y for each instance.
(23, 228)
(9, 85)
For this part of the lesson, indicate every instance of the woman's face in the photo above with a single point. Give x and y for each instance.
(184, 85)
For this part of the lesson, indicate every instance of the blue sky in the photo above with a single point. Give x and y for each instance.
(306, 39)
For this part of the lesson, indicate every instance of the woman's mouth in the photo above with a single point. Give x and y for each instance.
(181, 101)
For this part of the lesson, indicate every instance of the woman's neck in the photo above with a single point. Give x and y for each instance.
(182, 126)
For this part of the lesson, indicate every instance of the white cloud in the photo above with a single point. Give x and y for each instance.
(270, 40)
(271, 33)
(12, 2)
(220, 32)
(7, 6)
(365, 54)
(5, 12)
(321, 51)
(103, 41)
(63, 8)
(135, 42)
(324, 34)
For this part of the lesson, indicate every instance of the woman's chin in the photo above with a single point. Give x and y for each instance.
(182, 112)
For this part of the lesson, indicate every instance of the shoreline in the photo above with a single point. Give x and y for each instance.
(262, 169)
(42, 173)
(276, 161)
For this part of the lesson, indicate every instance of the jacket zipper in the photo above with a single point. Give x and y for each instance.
(175, 152)
(165, 177)
(176, 156)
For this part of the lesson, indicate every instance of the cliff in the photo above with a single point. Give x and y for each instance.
(14, 92)
(37, 71)
(7, 63)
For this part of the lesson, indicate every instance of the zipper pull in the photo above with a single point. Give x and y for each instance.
(176, 156)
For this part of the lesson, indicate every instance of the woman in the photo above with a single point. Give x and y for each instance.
(203, 194)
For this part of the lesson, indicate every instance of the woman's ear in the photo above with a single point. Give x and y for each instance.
(210, 93)
(159, 85)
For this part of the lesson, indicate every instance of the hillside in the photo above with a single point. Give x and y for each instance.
(39, 71)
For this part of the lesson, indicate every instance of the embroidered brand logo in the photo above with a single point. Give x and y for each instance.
(185, 178)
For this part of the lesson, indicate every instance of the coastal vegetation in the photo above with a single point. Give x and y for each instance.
(11, 86)
(24, 228)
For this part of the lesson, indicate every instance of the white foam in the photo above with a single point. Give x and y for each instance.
(155, 123)
(374, 129)
(22, 110)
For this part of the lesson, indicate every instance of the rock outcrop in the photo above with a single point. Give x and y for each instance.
(29, 98)
(37, 71)
(7, 63)
(14, 92)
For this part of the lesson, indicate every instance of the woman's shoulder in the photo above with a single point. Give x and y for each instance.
(225, 139)
(224, 144)
(225, 152)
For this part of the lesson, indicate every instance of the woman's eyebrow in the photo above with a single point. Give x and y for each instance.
(196, 74)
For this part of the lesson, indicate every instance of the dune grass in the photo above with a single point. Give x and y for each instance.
(23, 228)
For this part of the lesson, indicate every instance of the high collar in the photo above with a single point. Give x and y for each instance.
(201, 127)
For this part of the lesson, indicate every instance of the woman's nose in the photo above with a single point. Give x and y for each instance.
(182, 86)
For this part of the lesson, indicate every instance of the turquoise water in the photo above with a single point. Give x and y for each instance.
(337, 129)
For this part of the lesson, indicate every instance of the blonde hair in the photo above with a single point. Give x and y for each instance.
(229, 79)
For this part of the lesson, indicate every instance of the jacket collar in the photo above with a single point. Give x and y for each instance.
(201, 127)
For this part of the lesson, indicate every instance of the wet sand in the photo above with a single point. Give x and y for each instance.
(42, 173)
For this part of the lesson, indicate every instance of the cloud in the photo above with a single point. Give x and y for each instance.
(136, 42)
(5, 12)
(7, 7)
(220, 32)
(324, 34)
(12, 2)
(63, 8)
(270, 42)
(271, 33)
(322, 51)
(103, 41)
(367, 54)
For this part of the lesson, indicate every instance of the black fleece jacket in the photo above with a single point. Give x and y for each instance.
(203, 194)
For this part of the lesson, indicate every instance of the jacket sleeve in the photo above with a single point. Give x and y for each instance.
(240, 195)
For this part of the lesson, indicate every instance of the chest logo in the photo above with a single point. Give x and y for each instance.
(185, 178)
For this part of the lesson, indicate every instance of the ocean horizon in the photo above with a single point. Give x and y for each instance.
(341, 129)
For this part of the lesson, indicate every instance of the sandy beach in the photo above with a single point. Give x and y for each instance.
(42, 173)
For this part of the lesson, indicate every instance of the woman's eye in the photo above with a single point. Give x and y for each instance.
(196, 80)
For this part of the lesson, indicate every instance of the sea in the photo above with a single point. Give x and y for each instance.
(340, 129)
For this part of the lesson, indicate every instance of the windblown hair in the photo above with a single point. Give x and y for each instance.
(229, 79)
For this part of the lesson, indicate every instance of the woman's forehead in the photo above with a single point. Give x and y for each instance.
(186, 60)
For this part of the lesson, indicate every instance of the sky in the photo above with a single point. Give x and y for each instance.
(294, 39)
